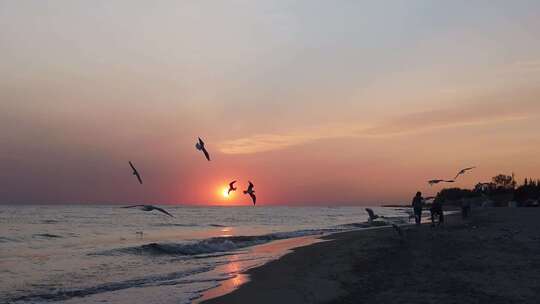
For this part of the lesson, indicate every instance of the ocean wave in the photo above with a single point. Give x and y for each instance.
(185, 225)
(47, 235)
(174, 225)
(211, 245)
(173, 278)
(4, 239)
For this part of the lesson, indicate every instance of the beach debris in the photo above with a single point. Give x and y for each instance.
(200, 146)
(251, 193)
(135, 172)
(149, 208)
(231, 187)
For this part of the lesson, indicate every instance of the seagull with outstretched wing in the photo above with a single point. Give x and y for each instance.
(231, 187)
(251, 193)
(372, 215)
(135, 172)
(436, 181)
(463, 171)
(150, 208)
(200, 146)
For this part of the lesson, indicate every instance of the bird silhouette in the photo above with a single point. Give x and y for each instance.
(231, 187)
(463, 171)
(372, 215)
(135, 172)
(150, 208)
(200, 146)
(436, 181)
(251, 193)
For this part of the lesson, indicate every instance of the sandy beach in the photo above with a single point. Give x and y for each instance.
(494, 257)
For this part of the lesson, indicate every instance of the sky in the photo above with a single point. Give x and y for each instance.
(315, 102)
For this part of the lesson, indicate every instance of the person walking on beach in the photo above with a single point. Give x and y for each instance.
(436, 211)
(418, 204)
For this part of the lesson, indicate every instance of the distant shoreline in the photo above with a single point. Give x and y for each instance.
(450, 263)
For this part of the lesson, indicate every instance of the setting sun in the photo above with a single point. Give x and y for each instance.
(225, 192)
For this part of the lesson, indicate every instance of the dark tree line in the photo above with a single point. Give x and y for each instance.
(500, 190)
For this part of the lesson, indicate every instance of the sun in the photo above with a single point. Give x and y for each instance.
(225, 193)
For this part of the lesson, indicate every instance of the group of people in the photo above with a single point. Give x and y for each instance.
(436, 209)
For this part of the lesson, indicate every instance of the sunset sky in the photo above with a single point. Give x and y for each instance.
(316, 102)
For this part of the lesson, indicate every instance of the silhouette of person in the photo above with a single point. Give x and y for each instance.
(418, 204)
(437, 211)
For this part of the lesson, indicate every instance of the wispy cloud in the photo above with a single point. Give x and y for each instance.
(473, 115)
(269, 142)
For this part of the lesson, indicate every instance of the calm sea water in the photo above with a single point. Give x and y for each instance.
(106, 254)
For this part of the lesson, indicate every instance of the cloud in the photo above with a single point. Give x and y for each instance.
(469, 115)
(269, 142)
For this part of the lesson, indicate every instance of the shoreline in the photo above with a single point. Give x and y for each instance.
(493, 257)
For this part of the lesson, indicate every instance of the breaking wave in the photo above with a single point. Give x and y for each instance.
(212, 245)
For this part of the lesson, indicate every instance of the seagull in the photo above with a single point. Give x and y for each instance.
(372, 215)
(436, 181)
(251, 192)
(463, 171)
(149, 208)
(200, 147)
(231, 187)
(136, 173)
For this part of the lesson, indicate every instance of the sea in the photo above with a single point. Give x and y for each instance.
(108, 254)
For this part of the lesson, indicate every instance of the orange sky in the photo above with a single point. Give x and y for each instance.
(317, 103)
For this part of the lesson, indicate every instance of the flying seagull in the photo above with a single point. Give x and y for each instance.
(251, 192)
(436, 181)
(231, 187)
(136, 173)
(372, 215)
(463, 171)
(200, 147)
(149, 208)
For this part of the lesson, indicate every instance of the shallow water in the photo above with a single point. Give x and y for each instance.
(90, 254)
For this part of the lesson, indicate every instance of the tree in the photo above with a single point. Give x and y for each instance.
(503, 181)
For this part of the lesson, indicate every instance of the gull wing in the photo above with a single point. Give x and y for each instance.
(133, 206)
(371, 214)
(138, 177)
(162, 211)
(206, 153)
(132, 167)
(231, 187)
(253, 197)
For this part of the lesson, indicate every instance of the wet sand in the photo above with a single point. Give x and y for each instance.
(494, 257)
